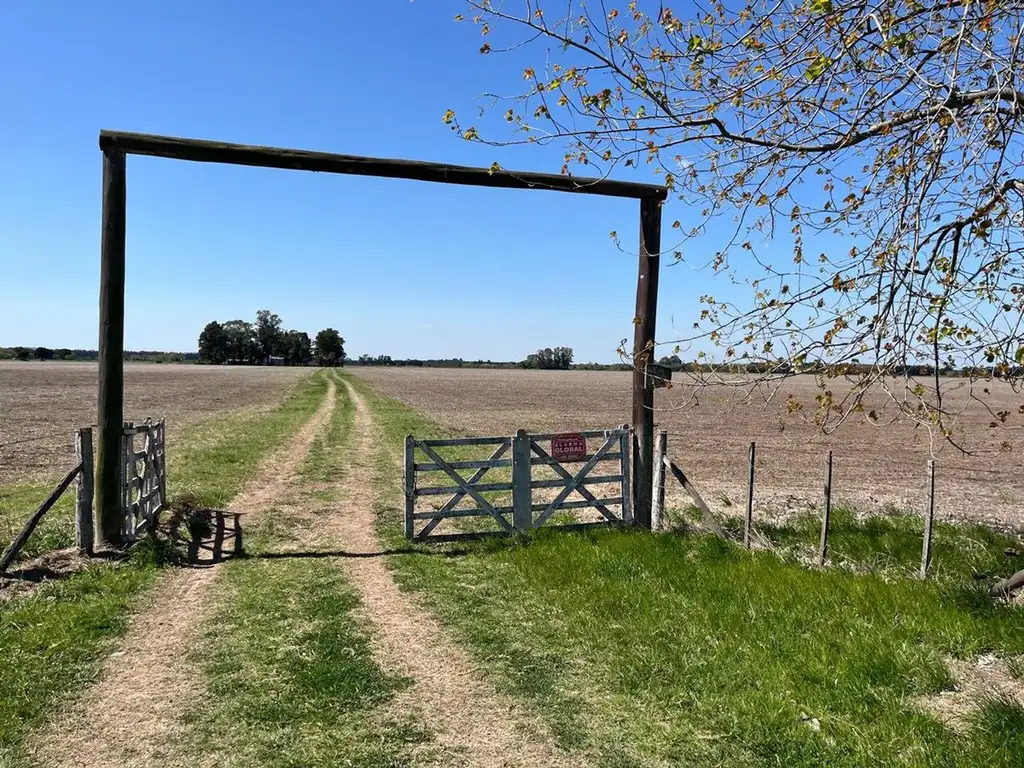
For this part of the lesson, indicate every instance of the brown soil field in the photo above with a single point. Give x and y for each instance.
(43, 403)
(875, 467)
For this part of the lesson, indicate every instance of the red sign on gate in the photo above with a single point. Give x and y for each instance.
(568, 447)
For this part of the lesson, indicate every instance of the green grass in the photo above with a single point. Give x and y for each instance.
(210, 462)
(290, 680)
(289, 676)
(19, 501)
(891, 544)
(53, 642)
(655, 650)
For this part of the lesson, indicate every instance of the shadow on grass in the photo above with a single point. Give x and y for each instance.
(344, 553)
(57, 565)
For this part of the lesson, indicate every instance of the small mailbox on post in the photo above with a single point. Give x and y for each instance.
(658, 375)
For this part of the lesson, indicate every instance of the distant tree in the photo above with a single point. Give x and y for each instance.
(296, 348)
(44, 353)
(242, 347)
(269, 336)
(214, 344)
(22, 353)
(559, 358)
(562, 358)
(330, 348)
(64, 354)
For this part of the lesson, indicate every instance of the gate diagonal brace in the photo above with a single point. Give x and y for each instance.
(575, 485)
(456, 498)
(582, 490)
(461, 481)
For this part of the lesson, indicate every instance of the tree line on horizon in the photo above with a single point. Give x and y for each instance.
(535, 361)
(559, 358)
(91, 355)
(266, 342)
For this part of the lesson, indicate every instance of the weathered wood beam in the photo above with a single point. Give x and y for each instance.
(198, 150)
(111, 353)
(643, 350)
(16, 546)
(707, 517)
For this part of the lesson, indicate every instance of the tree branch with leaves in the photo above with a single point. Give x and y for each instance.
(886, 133)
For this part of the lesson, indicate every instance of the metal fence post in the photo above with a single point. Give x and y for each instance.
(84, 534)
(522, 496)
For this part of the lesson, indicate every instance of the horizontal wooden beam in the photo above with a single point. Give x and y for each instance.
(201, 151)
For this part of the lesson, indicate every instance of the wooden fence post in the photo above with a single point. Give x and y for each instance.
(643, 351)
(658, 506)
(110, 415)
(161, 461)
(929, 520)
(127, 480)
(626, 449)
(823, 544)
(84, 492)
(522, 497)
(748, 523)
(410, 485)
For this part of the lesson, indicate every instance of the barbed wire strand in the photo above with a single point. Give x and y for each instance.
(38, 438)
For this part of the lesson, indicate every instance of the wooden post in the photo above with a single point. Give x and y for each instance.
(160, 462)
(218, 536)
(84, 492)
(645, 322)
(127, 480)
(658, 505)
(239, 549)
(111, 353)
(410, 485)
(749, 522)
(522, 496)
(707, 517)
(929, 520)
(15, 546)
(823, 544)
(626, 448)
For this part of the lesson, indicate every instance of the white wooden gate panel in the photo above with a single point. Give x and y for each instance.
(534, 500)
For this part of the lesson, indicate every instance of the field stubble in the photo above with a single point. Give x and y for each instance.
(42, 404)
(876, 467)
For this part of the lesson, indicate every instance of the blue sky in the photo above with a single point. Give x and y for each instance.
(402, 268)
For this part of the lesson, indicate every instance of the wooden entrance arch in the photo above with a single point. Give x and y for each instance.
(117, 145)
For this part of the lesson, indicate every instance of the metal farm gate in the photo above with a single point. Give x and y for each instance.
(528, 485)
(144, 475)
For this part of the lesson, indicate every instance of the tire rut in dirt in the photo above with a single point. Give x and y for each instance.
(474, 725)
(130, 716)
